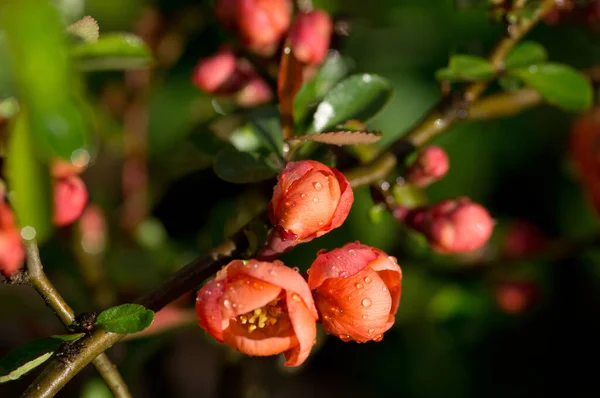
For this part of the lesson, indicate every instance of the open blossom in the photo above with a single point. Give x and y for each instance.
(357, 291)
(453, 226)
(12, 252)
(310, 36)
(260, 309)
(70, 199)
(309, 200)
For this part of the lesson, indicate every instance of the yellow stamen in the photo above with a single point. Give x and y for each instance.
(262, 317)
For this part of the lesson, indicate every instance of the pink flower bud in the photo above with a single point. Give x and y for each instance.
(453, 226)
(254, 92)
(70, 199)
(93, 229)
(12, 252)
(213, 72)
(357, 291)
(514, 297)
(262, 23)
(61, 168)
(430, 166)
(309, 200)
(260, 309)
(310, 36)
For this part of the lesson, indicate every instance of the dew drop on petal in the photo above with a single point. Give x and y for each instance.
(296, 269)
(318, 186)
(321, 223)
(383, 288)
(315, 200)
(359, 285)
(226, 303)
(371, 331)
(295, 297)
(367, 279)
(273, 272)
(366, 302)
(352, 252)
(303, 196)
(234, 305)
(378, 338)
(365, 316)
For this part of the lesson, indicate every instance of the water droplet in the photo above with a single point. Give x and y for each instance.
(255, 265)
(359, 285)
(383, 288)
(371, 331)
(326, 317)
(303, 196)
(393, 259)
(344, 274)
(321, 223)
(365, 316)
(318, 186)
(366, 302)
(234, 305)
(295, 297)
(273, 272)
(345, 337)
(296, 269)
(367, 279)
(315, 200)
(208, 292)
(378, 338)
(352, 252)
(226, 303)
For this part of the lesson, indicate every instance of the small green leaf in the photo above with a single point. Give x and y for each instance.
(330, 72)
(68, 337)
(510, 83)
(559, 84)
(29, 183)
(238, 167)
(126, 318)
(86, 29)
(27, 357)
(466, 68)
(360, 96)
(113, 51)
(265, 124)
(525, 53)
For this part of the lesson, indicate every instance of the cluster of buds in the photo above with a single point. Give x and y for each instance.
(266, 308)
(262, 26)
(70, 193)
(262, 307)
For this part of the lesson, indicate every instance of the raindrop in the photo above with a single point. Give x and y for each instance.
(367, 279)
(234, 305)
(296, 269)
(371, 331)
(321, 223)
(365, 316)
(226, 303)
(255, 265)
(303, 196)
(352, 251)
(393, 259)
(378, 338)
(345, 337)
(383, 288)
(273, 272)
(295, 297)
(359, 285)
(315, 200)
(366, 302)
(318, 186)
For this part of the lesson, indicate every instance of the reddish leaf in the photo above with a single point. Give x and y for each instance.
(341, 137)
(289, 82)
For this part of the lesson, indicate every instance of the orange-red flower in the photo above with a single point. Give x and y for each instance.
(12, 252)
(260, 309)
(70, 199)
(309, 200)
(357, 291)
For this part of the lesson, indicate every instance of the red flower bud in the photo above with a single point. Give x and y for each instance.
(357, 291)
(516, 296)
(70, 198)
(309, 200)
(585, 133)
(213, 72)
(521, 239)
(453, 226)
(430, 166)
(93, 230)
(260, 309)
(262, 23)
(310, 36)
(12, 252)
(254, 92)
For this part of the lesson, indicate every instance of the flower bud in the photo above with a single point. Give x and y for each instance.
(310, 36)
(262, 23)
(260, 309)
(93, 230)
(212, 73)
(309, 200)
(522, 239)
(453, 226)
(254, 92)
(430, 166)
(357, 291)
(12, 252)
(70, 199)
(514, 297)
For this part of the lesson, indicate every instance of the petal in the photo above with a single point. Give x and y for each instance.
(276, 273)
(208, 308)
(261, 342)
(305, 328)
(342, 262)
(357, 307)
(292, 172)
(345, 202)
(389, 271)
(245, 294)
(309, 204)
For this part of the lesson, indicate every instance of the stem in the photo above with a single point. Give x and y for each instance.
(37, 279)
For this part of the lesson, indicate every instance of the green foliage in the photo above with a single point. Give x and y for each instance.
(112, 51)
(525, 53)
(466, 68)
(125, 318)
(239, 167)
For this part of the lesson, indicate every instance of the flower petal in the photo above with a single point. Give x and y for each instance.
(208, 308)
(245, 294)
(276, 273)
(344, 204)
(292, 172)
(305, 328)
(342, 262)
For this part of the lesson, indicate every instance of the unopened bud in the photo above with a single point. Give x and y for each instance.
(430, 166)
(255, 92)
(262, 23)
(310, 36)
(70, 199)
(213, 72)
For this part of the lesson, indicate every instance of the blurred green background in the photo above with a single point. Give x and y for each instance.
(453, 337)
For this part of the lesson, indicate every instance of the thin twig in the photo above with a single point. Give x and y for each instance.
(37, 279)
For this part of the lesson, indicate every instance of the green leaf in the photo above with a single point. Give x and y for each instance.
(330, 72)
(559, 84)
(29, 183)
(238, 167)
(126, 318)
(466, 68)
(27, 357)
(265, 122)
(113, 51)
(360, 97)
(524, 54)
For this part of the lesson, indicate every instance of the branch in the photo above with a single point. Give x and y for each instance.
(448, 112)
(37, 279)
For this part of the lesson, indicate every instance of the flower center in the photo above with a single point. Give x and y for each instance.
(262, 317)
